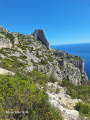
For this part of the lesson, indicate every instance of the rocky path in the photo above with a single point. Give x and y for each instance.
(59, 99)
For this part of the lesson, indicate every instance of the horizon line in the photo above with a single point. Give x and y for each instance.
(71, 43)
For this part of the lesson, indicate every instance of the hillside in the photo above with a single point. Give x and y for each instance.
(32, 76)
(34, 52)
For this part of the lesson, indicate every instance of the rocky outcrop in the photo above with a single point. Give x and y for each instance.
(56, 63)
(79, 63)
(30, 57)
(6, 72)
(5, 43)
(39, 34)
(72, 73)
(5, 35)
(3, 29)
(73, 67)
(16, 40)
(62, 101)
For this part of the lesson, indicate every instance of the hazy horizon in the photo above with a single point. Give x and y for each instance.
(69, 44)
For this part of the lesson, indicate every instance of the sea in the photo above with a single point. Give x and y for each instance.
(82, 50)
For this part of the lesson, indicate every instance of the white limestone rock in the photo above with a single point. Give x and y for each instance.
(5, 43)
(29, 68)
(16, 40)
(63, 102)
(5, 72)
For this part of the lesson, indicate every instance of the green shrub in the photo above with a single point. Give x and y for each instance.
(51, 89)
(77, 91)
(33, 62)
(52, 79)
(1, 37)
(12, 65)
(37, 55)
(50, 59)
(20, 93)
(57, 90)
(4, 53)
(22, 57)
(83, 108)
(44, 62)
(38, 77)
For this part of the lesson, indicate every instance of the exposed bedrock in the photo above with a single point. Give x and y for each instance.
(39, 34)
(77, 71)
(40, 56)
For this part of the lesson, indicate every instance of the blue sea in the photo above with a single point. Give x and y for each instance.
(82, 50)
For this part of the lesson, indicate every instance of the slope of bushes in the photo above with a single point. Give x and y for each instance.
(80, 92)
(22, 99)
(83, 108)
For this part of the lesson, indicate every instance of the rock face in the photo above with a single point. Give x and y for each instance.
(5, 43)
(39, 34)
(77, 64)
(16, 40)
(38, 55)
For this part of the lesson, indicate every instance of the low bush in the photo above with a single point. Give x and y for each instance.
(44, 62)
(83, 108)
(52, 79)
(77, 91)
(20, 93)
(57, 90)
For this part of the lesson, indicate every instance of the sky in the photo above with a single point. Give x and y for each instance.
(63, 21)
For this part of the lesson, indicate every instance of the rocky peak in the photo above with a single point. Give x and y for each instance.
(2, 29)
(40, 35)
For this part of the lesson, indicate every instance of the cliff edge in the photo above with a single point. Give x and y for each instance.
(34, 52)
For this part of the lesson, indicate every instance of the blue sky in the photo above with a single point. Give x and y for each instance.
(63, 21)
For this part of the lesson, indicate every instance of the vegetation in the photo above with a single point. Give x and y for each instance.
(23, 57)
(44, 62)
(79, 92)
(37, 55)
(52, 79)
(83, 108)
(33, 62)
(4, 53)
(1, 37)
(57, 90)
(12, 64)
(20, 93)
(23, 47)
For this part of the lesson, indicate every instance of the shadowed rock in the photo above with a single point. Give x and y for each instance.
(39, 34)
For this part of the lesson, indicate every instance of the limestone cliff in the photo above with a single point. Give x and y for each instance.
(39, 34)
(33, 52)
